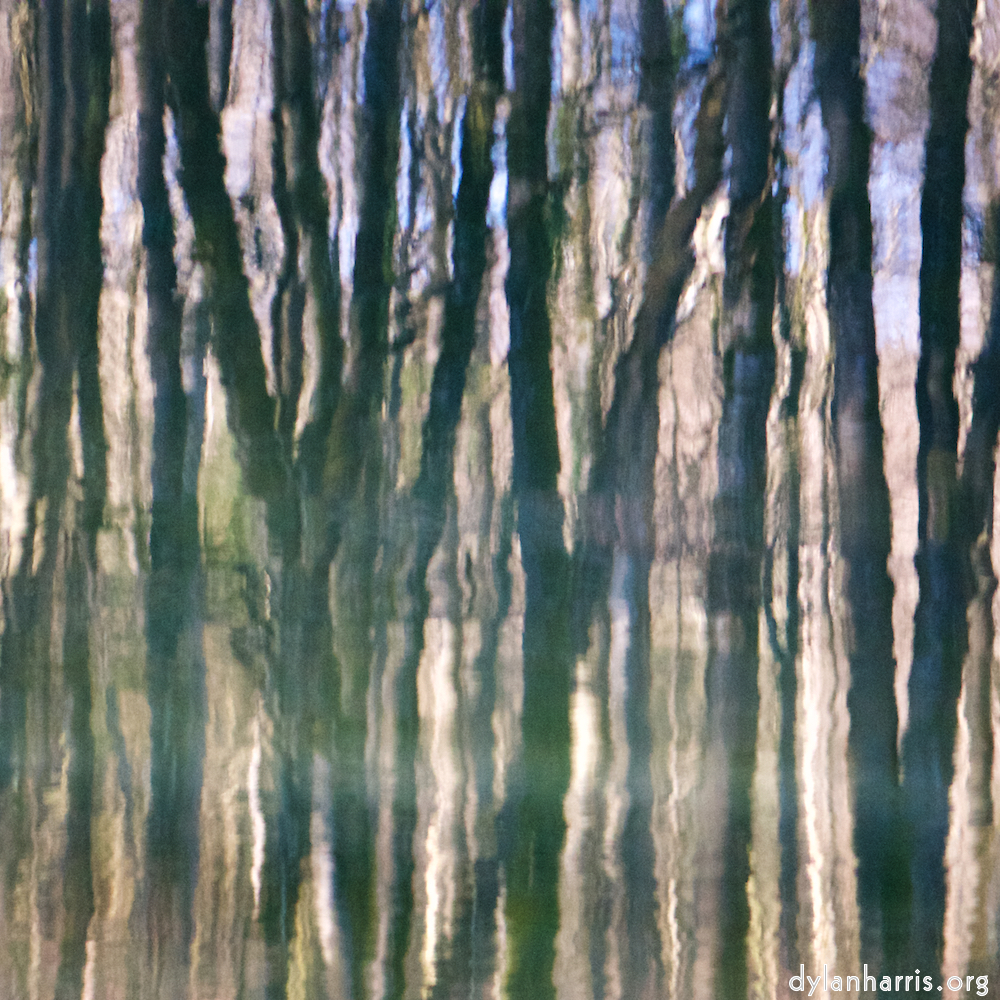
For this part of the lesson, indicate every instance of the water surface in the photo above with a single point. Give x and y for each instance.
(496, 501)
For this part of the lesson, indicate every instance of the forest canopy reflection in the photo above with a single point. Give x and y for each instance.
(497, 500)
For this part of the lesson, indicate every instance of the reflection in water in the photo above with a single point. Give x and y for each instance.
(734, 568)
(530, 824)
(453, 532)
(862, 496)
(946, 543)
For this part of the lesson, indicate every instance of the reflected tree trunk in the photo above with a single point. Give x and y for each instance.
(351, 485)
(357, 409)
(536, 450)
(175, 662)
(289, 301)
(656, 91)
(735, 563)
(176, 677)
(264, 439)
(22, 140)
(74, 85)
(53, 337)
(175, 670)
(975, 528)
(220, 51)
(862, 494)
(235, 336)
(353, 820)
(942, 559)
(672, 261)
(435, 483)
(482, 924)
(75, 44)
(19, 148)
(310, 209)
(300, 669)
(643, 972)
(73, 66)
(622, 489)
(78, 874)
(303, 208)
(298, 664)
(531, 825)
(614, 571)
(783, 552)
(163, 303)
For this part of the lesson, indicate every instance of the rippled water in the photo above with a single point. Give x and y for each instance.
(497, 501)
